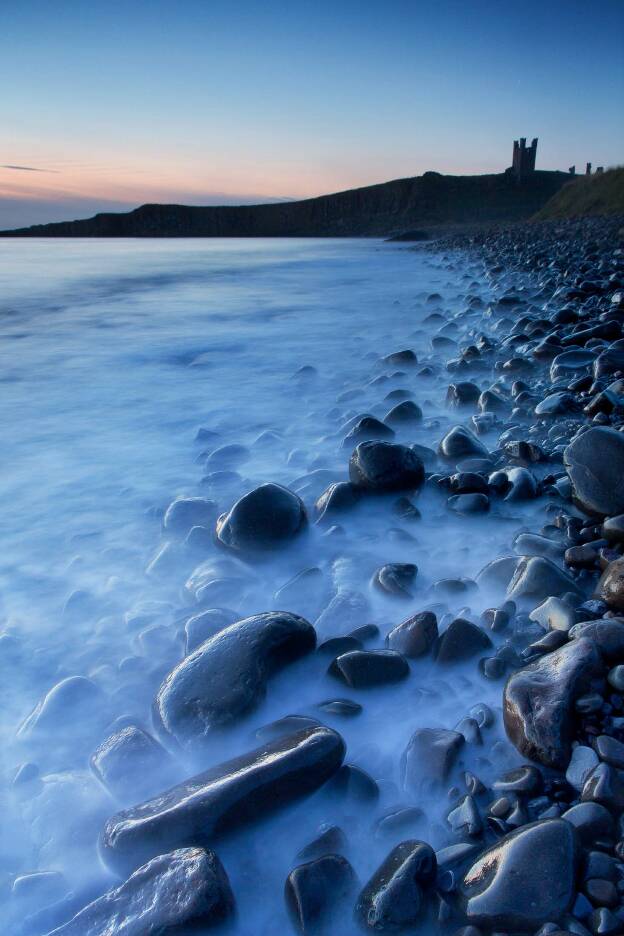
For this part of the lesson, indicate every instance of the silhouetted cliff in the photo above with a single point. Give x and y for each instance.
(376, 210)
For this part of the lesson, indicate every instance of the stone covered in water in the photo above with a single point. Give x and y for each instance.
(227, 676)
(594, 461)
(382, 467)
(393, 898)
(538, 701)
(460, 443)
(317, 893)
(526, 878)
(187, 887)
(132, 764)
(267, 517)
(212, 803)
(415, 636)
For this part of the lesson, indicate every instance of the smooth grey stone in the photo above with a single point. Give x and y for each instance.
(187, 887)
(537, 578)
(393, 898)
(582, 762)
(606, 633)
(383, 467)
(430, 757)
(132, 765)
(73, 705)
(415, 636)
(594, 461)
(554, 614)
(265, 518)
(538, 701)
(527, 877)
(591, 820)
(317, 893)
(337, 499)
(610, 750)
(213, 803)
(464, 819)
(461, 640)
(227, 676)
(362, 669)
(459, 443)
(406, 412)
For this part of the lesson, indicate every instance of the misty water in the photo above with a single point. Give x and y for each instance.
(113, 355)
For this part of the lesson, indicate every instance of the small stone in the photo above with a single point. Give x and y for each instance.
(317, 892)
(265, 518)
(610, 588)
(429, 757)
(461, 640)
(396, 578)
(362, 669)
(415, 636)
(582, 762)
(381, 467)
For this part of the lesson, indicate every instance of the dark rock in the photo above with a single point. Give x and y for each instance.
(536, 579)
(538, 701)
(610, 750)
(393, 898)
(402, 358)
(463, 393)
(214, 802)
(464, 819)
(610, 588)
(469, 503)
(526, 779)
(429, 757)
(184, 513)
(592, 821)
(227, 676)
(330, 841)
(406, 412)
(287, 725)
(317, 892)
(396, 578)
(415, 636)
(582, 762)
(460, 641)
(336, 500)
(345, 708)
(355, 783)
(267, 517)
(460, 443)
(187, 887)
(555, 404)
(613, 529)
(366, 428)
(527, 877)
(606, 633)
(133, 765)
(594, 461)
(381, 467)
(362, 669)
(605, 785)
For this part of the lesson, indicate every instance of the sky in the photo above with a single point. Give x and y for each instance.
(108, 105)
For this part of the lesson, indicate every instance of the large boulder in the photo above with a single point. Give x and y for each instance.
(381, 467)
(526, 878)
(594, 461)
(538, 701)
(265, 518)
(187, 887)
(212, 803)
(393, 898)
(227, 676)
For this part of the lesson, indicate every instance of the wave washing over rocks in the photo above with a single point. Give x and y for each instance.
(353, 659)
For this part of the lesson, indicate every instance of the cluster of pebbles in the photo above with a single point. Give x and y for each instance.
(537, 848)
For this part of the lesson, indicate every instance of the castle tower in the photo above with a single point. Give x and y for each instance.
(523, 163)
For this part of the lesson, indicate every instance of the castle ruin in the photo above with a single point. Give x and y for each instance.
(523, 163)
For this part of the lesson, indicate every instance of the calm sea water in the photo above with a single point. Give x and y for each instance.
(112, 355)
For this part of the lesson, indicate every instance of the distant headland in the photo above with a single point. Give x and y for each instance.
(389, 208)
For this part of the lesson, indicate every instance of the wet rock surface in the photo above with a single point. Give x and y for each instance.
(267, 517)
(393, 898)
(227, 675)
(527, 878)
(215, 802)
(184, 888)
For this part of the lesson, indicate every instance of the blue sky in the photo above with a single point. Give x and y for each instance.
(207, 102)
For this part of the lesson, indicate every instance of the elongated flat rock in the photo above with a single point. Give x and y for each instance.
(185, 888)
(202, 809)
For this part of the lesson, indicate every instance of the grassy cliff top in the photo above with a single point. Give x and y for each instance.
(601, 194)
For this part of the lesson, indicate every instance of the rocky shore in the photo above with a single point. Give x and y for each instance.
(531, 842)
